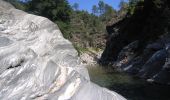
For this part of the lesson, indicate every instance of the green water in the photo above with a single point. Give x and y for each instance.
(130, 87)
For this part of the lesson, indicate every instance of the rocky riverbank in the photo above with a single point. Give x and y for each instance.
(90, 57)
(140, 43)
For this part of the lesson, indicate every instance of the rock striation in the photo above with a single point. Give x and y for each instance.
(36, 62)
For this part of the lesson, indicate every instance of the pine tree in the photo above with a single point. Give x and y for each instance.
(101, 5)
(95, 10)
(75, 6)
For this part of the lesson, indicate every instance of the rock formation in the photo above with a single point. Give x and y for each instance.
(36, 62)
(139, 43)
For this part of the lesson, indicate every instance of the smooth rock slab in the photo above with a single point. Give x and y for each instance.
(36, 62)
(4, 41)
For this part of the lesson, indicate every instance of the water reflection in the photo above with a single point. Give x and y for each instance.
(130, 87)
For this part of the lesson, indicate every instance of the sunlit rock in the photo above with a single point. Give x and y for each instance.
(36, 62)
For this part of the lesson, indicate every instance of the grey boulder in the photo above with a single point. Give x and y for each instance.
(36, 62)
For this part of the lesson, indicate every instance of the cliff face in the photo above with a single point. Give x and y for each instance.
(36, 62)
(139, 43)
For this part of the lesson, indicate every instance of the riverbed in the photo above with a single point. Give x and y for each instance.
(127, 85)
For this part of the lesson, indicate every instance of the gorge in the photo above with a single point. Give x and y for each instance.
(38, 62)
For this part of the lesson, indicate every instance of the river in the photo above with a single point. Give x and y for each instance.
(128, 86)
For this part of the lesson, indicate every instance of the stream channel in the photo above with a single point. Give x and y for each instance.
(128, 86)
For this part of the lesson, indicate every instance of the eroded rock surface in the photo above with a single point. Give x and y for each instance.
(36, 62)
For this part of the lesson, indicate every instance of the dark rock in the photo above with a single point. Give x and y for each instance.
(154, 65)
(155, 46)
(128, 51)
(163, 76)
(147, 57)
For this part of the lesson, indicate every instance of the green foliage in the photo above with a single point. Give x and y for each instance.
(80, 49)
(95, 10)
(18, 4)
(84, 28)
(75, 6)
(101, 5)
(58, 10)
(123, 5)
(108, 14)
(132, 6)
(65, 29)
(104, 11)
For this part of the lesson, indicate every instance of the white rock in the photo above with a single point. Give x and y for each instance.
(36, 62)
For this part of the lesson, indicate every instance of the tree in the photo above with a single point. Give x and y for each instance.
(132, 5)
(108, 10)
(133, 2)
(94, 9)
(19, 4)
(58, 10)
(123, 5)
(108, 13)
(75, 6)
(101, 5)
